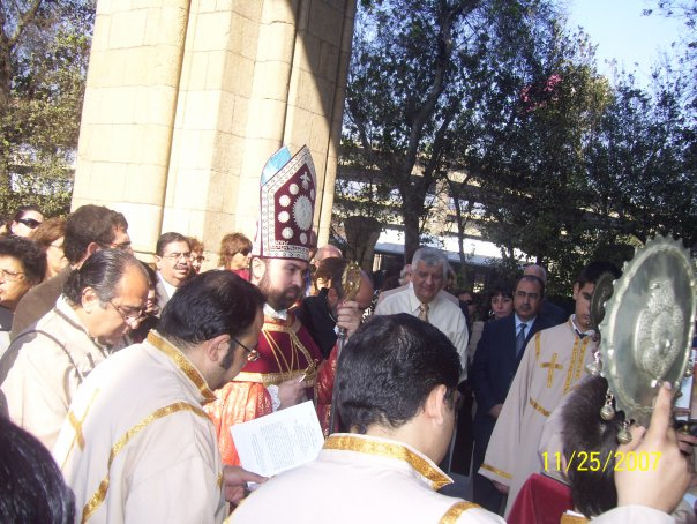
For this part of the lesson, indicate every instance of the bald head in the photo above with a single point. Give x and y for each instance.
(326, 252)
(536, 271)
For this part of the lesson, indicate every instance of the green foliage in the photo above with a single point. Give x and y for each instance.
(43, 66)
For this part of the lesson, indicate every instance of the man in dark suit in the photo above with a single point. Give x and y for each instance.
(495, 363)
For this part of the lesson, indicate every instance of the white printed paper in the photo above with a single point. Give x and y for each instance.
(280, 441)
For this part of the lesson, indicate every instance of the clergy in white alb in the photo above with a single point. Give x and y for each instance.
(554, 361)
(136, 445)
(48, 361)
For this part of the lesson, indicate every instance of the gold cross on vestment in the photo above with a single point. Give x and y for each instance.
(551, 366)
(77, 426)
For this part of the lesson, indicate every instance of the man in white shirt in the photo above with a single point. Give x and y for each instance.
(425, 298)
(173, 261)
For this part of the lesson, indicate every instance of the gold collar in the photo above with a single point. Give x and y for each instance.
(391, 449)
(183, 363)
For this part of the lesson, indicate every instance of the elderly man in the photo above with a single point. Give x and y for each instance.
(46, 363)
(496, 361)
(88, 229)
(553, 363)
(288, 358)
(136, 445)
(173, 260)
(425, 298)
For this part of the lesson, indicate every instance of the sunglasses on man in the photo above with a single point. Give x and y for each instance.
(31, 223)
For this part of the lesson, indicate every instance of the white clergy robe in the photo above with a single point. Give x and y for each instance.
(443, 313)
(360, 478)
(136, 446)
(52, 358)
(554, 361)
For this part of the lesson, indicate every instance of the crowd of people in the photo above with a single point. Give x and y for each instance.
(120, 381)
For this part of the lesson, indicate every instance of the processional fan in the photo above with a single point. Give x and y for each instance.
(350, 282)
(646, 322)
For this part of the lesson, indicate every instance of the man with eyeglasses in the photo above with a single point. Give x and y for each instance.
(173, 259)
(88, 229)
(136, 445)
(554, 361)
(46, 363)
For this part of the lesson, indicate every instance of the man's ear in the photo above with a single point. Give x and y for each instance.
(436, 404)
(89, 300)
(217, 347)
(258, 269)
(158, 262)
(576, 290)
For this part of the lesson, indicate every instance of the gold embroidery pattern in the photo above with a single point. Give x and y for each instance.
(538, 335)
(77, 427)
(220, 481)
(268, 379)
(96, 500)
(288, 368)
(456, 510)
(496, 471)
(551, 366)
(573, 519)
(182, 363)
(572, 363)
(539, 408)
(421, 464)
(581, 359)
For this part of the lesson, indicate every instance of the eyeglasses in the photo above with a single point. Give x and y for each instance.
(178, 256)
(197, 258)
(11, 276)
(31, 223)
(252, 354)
(129, 314)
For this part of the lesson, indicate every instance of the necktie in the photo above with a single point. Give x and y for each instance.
(520, 339)
(423, 312)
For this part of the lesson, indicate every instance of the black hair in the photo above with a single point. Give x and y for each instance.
(533, 278)
(32, 488)
(101, 272)
(152, 275)
(593, 492)
(23, 209)
(208, 305)
(32, 258)
(167, 238)
(500, 288)
(389, 367)
(332, 268)
(591, 273)
(87, 224)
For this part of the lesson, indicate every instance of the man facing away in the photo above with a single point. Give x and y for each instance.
(136, 445)
(396, 381)
(88, 229)
(554, 361)
(173, 259)
(496, 360)
(425, 299)
(46, 363)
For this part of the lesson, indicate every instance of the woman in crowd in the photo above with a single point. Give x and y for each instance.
(501, 300)
(25, 221)
(49, 237)
(235, 251)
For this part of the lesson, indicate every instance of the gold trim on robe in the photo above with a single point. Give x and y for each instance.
(496, 471)
(420, 463)
(267, 379)
(456, 510)
(100, 495)
(538, 408)
(182, 363)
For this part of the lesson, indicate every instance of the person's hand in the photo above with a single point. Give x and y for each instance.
(235, 482)
(501, 487)
(291, 392)
(665, 481)
(495, 410)
(348, 316)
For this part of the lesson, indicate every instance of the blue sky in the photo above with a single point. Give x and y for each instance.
(622, 33)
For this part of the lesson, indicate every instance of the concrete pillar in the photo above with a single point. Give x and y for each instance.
(186, 100)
